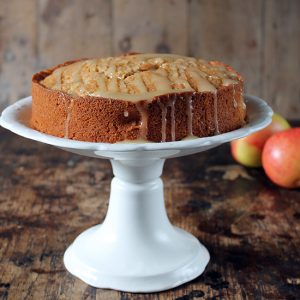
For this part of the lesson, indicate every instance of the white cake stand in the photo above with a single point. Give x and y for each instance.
(136, 249)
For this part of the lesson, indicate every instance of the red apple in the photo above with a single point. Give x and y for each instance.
(248, 150)
(281, 158)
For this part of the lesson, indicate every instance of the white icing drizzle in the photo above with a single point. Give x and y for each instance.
(163, 121)
(140, 76)
(173, 123)
(215, 94)
(189, 112)
(199, 82)
(190, 137)
(164, 109)
(143, 110)
(233, 96)
(228, 81)
(126, 114)
(241, 95)
(68, 118)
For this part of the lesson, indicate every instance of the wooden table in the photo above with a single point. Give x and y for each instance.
(49, 196)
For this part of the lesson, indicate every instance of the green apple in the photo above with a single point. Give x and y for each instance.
(248, 150)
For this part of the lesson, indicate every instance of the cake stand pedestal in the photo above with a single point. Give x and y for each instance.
(136, 248)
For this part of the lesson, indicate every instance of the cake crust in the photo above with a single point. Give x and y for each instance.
(170, 116)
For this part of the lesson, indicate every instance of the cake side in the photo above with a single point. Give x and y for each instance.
(69, 117)
(165, 117)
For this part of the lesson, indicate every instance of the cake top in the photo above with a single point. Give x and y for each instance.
(140, 76)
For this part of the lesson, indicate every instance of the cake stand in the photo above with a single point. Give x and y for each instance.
(136, 248)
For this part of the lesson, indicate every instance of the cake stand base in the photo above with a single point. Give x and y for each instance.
(136, 249)
(152, 274)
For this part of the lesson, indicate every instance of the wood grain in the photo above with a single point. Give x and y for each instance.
(229, 31)
(259, 38)
(73, 29)
(150, 26)
(18, 42)
(48, 196)
(282, 56)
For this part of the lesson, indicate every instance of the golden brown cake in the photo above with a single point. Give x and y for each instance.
(153, 97)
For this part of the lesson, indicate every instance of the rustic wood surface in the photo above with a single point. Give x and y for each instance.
(48, 196)
(260, 38)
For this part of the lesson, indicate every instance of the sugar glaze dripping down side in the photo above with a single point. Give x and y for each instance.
(189, 113)
(164, 110)
(163, 121)
(69, 108)
(143, 111)
(235, 105)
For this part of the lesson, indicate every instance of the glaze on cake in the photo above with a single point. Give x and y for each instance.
(154, 97)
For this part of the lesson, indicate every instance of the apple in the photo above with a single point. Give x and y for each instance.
(248, 150)
(281, 158)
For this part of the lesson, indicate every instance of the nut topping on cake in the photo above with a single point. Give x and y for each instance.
(139, 76)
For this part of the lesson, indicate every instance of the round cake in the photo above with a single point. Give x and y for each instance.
(139, 97)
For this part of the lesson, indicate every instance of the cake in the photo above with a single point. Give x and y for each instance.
(138, 97)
